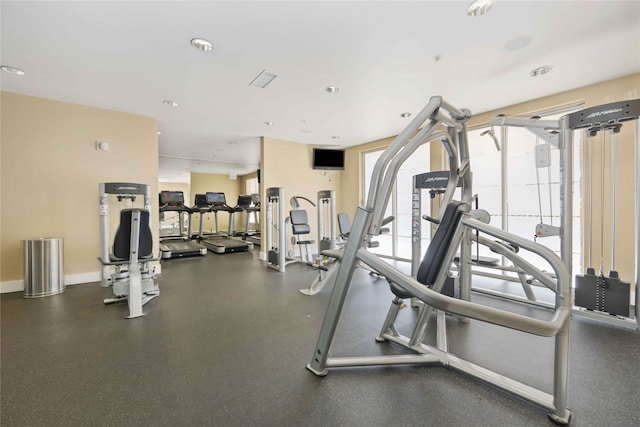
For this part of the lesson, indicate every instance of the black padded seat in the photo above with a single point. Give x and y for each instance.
(300, 225)
(433, 260)
(122, 240)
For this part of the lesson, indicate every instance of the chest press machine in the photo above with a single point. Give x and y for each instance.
(128, 268)
(439, 121)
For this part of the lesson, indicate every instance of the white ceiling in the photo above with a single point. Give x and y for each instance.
(130, 56)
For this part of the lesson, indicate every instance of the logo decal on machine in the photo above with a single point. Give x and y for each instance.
(602, 113)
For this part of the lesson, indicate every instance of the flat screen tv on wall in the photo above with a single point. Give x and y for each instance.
(328, 159)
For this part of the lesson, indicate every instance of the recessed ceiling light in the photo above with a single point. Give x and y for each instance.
(13, 70)
(202, 45)
(170, 102)
(405, 115)
(268, 123)
(479, 7)
(332, 89)
(159, 133)
(540, 71)
(231, 143)
(335, 137)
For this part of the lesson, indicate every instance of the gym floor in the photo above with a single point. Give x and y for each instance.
(227, 341)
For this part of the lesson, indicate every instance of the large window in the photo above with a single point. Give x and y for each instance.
(532, 194)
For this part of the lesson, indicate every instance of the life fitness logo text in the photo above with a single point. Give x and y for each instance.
(602, 113)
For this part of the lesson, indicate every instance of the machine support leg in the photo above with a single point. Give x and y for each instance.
(135, 292)
(349, 262)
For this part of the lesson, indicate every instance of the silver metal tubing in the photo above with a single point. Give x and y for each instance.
(403, 359)
(470, 309)
(462, 115)
(566, 194)
(504, 165)
(384, 183)
(392, 314)
(509, 297)
(340, 290)
(525, 266)
(384, 159)
(320, 282)
(613, 170)
(449, 121)
(563, 287)
(527, 392)
(540, 128)
(392, 172)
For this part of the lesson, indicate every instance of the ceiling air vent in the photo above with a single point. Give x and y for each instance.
(263, 79)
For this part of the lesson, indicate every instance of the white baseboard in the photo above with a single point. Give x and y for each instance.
(11, 286)
(75, 279)
(69, 279)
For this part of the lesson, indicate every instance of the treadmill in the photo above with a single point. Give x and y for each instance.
(221, 243)
(178, 246)
(251, 205)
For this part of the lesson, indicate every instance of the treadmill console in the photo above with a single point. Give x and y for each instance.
(171, 198)
(244, 201)
(201, 201)
(216, 199)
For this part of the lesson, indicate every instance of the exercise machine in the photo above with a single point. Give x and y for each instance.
(601, 293)
(127, 270)
(181, 245)
(220, 243)
(609, 119)
(440, 121)
(276, 231)
(327, 234)
(250, 204)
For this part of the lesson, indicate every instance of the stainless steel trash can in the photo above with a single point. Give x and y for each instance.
(43, 267)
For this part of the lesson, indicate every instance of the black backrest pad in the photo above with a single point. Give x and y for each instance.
(435, 256)
(121, 242)
(344, 224)
(299, 221)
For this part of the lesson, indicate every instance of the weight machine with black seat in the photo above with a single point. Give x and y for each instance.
(128, 269)
(439, 121)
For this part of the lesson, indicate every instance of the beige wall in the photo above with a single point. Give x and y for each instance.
(202, 183)
(289, 164)
(51, 171)
(602, 93)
